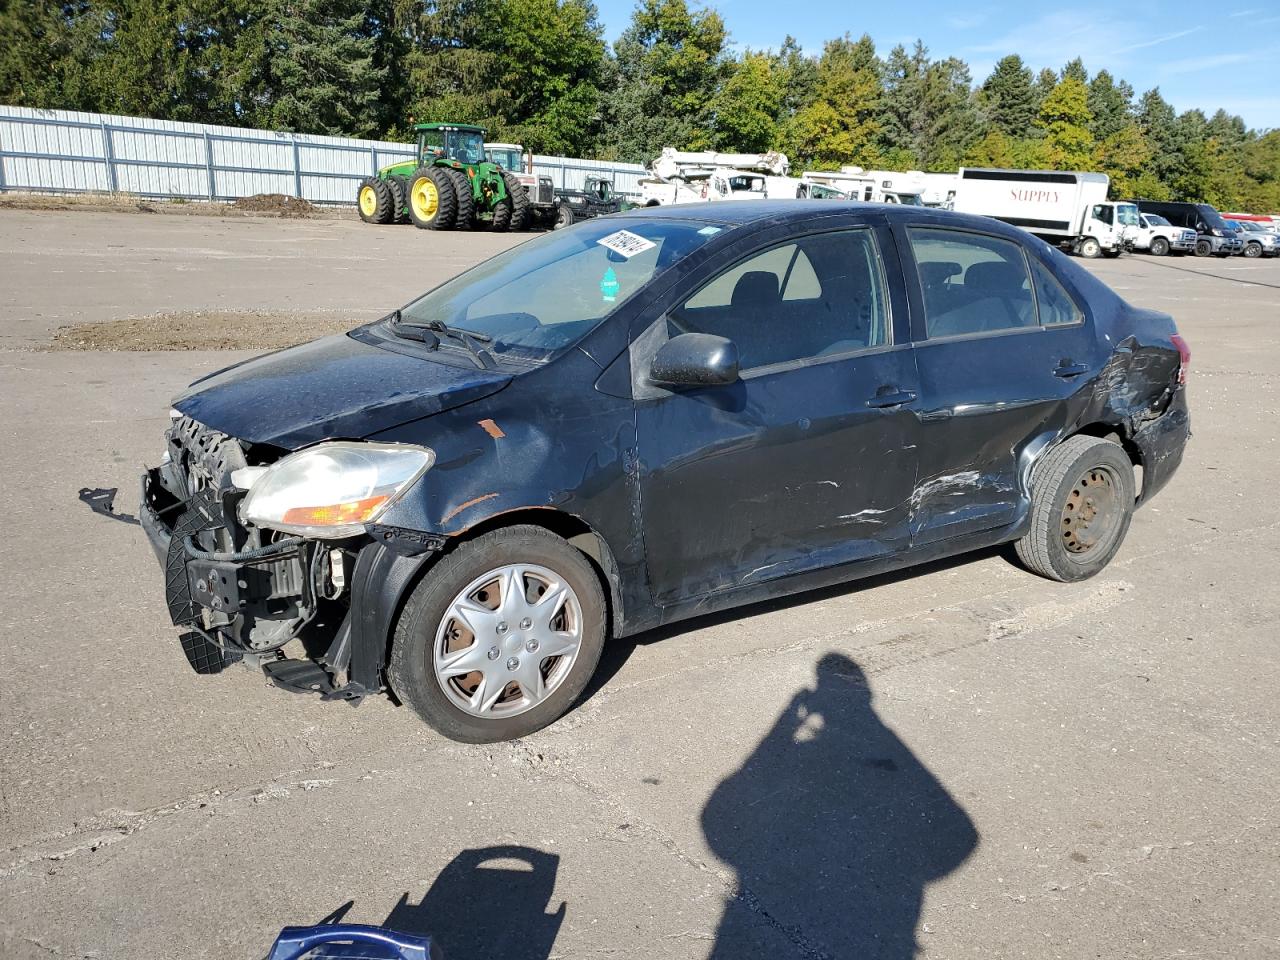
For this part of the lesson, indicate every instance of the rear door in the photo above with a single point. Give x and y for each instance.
(1001, 347)
(809, 459)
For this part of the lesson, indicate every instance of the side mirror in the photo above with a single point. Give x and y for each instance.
(695, 360)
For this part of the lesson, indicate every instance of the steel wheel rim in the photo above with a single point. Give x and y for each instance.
(1092, 513)
(507, 641)
(368, 201)
(426, 198)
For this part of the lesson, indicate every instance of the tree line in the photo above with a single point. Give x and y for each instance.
(540, 72)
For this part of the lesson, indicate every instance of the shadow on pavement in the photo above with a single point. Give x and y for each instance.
(487, 903)
(833, 828)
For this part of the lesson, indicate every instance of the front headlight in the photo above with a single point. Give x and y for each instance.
(333, 489)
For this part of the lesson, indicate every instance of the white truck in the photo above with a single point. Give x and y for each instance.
(1062, 207)
(702, 176)
(873, 186)
(1159, 237)
(539, 188)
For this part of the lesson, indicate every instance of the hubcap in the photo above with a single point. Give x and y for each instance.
(1092, 513)
(368, 201)
(507, 641)
(426, 198)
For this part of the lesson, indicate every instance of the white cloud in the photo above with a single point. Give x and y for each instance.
(1245, 13)
(1196, 64)
(1158, 40)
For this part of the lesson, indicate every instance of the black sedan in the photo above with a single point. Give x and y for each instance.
(643, 417)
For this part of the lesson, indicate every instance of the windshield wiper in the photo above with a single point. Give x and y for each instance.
(435, 329)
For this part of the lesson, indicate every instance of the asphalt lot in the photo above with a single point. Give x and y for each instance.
(966, 757)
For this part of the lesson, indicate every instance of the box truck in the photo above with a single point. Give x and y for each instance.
(1061, 207)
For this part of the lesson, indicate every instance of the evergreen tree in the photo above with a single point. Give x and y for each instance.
(798, 77)
(1007, 97)
(840, 125)
(1109, 103)
(1045, 81)
(1075, 70)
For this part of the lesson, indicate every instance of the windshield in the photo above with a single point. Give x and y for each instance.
(1127, 214)
(1155, 220)
(466, 146)
(913, 199)
(507, 159)
(1210, 216)
(538, 298)
(751, 184)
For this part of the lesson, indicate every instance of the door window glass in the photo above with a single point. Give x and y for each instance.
(971, 283)
(819, 296)
(1056, 305)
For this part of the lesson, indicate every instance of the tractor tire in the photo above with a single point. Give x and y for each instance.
(400, 196)
(374, 201)
(564, 217)
(502, 216)
(519, 203)
(466, 216)
(433, 202)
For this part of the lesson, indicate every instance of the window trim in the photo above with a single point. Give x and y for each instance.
(984, 334)
(796, 238)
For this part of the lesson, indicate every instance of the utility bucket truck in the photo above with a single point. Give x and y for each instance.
(681, 176)
(1061, 207)
(871, 186)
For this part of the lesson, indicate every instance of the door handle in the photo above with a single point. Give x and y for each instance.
(893, 398)
(1067, 369)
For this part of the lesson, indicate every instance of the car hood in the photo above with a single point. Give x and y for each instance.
(337, 387)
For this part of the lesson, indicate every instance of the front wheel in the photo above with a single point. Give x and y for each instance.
(501, 636)
(1160, 247)
(1090, 248)
(1252, 250)
(1082, 497)
(1203, 248)
(433, 202)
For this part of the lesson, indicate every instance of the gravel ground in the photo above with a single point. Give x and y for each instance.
(961, 759)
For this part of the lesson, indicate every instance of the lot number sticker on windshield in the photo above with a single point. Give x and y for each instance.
(626, 243)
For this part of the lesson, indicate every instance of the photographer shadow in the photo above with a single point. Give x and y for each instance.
(834, 829)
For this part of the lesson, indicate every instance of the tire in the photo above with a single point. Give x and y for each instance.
(519, 202)
(374, 201)
(433, 203)
(466, 216)
(502, 216)
(1203, 248)
(426, 629)
(1090, 249)
(1080, 483)
(1159, 247)
(400, 198)
(1253, 250)
(564, 217)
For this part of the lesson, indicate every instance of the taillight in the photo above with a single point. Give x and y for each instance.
(1184, 357)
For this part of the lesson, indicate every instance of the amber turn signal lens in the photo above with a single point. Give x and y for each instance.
(357, 511)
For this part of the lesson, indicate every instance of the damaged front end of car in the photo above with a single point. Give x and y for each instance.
(273, 558)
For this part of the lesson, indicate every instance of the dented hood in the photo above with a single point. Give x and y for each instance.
(331, 388)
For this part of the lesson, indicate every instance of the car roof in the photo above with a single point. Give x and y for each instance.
(749, 212)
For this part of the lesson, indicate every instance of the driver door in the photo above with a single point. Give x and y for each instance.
(808, 459)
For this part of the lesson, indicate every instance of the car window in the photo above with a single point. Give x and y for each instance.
(971, 283)
(822, 295)
(1056, 305)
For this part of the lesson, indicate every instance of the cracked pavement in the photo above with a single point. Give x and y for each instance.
(961, 759)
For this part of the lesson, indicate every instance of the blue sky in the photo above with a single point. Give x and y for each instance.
(1205, 55)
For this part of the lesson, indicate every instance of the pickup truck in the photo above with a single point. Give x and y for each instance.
(1159, 237)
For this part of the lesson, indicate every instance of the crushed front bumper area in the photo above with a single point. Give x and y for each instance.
(313, 615)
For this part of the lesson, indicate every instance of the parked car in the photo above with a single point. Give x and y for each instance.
(1158, 236)
(645, 417)
(1213, 236)
(1258, 240)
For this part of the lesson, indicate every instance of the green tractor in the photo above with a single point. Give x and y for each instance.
(450, 186)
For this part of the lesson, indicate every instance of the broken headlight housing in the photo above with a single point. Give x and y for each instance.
(331, 490)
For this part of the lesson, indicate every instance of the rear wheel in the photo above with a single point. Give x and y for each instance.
(1082, 495)
(375, 201)
(564, 217)
(433, 203)
(1203, 248)
(465, 217)
(1090, 248)
(502, 215)
(519, 202)
(1160, 246)
(501, 636)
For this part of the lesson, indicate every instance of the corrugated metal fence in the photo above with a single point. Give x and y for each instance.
(63, 151)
